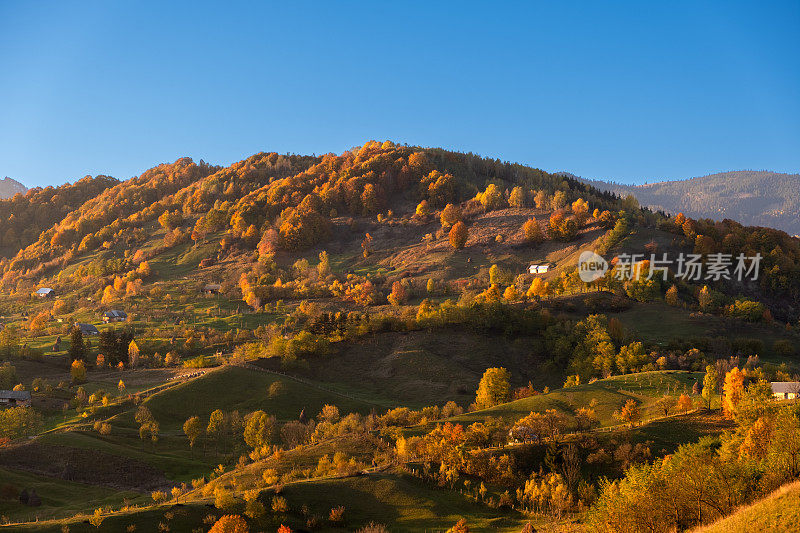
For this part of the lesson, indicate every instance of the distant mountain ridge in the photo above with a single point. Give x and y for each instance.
(752, 197)
(9, 187)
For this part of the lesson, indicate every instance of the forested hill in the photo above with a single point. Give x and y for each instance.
(374, 203)
(9, 187)
(754, 198)
(23, 217)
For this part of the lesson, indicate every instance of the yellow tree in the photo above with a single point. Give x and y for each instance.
(517, 197)
(732, 391)
(133, 354)
(538, 289)
(78, 371)
(109, 295)
(491, 198)
(423, 209)
(757, 439)
(259, 428)
(580, 208)
(531, 231)
(493, 388)
(511, 294)
(671, 297)
(450, 216)
(705, 299)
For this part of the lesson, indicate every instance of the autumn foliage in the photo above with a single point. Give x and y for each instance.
(458, 235)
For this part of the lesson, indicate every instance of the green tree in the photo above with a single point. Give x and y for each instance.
(9, 341)
(193, 429)
(8, 375)
(148, 426)
(258, 429)
(710, 384)
(17, 422)
(77, 348)
(216, 427)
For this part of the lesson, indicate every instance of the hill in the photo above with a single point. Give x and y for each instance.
(9, 187)
(778, 511)
(361, 330)
(24, 216)
(753, 198)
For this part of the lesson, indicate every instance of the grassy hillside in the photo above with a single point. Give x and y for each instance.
(403, 502)
(779, 511)
(59, 498)
(233, 388)
(422, 368)
(611, 394)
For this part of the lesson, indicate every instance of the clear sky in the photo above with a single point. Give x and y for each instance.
(629, 91)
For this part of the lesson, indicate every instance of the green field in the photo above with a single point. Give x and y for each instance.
(234, 388)
(59, 498)
(401, 502)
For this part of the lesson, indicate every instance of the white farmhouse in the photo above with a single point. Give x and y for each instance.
(785, 390)
(538, 269)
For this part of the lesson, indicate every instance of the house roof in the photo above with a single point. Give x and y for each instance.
(785, 386)
(115, 313)
(15, 394)
(212, 287)
(44, 290)
(86, 327)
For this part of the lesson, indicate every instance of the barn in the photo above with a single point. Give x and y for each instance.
(15, 398)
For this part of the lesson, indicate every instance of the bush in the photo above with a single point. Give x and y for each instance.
(280, 504)
(784, 348)
(336, 515)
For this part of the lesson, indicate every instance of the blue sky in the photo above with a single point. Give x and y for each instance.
(633, 92)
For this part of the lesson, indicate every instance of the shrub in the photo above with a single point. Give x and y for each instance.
(336, 515)
(280, 504)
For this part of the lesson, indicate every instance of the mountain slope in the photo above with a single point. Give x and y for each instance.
(778, 511)
(9, 187)
(754, 198)
(23, 217)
